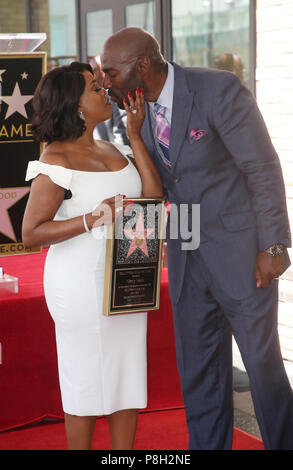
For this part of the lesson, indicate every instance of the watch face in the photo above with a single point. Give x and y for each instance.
(275, 250)
(278, 249)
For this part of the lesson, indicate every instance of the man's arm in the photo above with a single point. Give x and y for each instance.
(240, 124)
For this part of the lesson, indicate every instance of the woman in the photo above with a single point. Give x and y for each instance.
(101, 360)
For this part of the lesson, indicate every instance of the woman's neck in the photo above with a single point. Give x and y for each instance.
(87, 138)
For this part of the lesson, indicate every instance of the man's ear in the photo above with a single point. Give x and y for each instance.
(143, 65)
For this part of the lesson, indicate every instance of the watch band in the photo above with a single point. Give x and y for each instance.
(275, 250)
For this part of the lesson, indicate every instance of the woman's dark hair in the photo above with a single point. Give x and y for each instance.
(56, 102)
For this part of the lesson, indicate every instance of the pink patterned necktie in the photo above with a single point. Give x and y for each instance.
(163, 132)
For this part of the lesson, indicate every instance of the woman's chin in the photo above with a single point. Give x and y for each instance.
(109, 113)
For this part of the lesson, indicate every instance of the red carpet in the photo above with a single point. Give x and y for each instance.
(161, 430)
(28, 372)
(29, 388)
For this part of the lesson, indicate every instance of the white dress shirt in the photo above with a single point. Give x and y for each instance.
(166, 96)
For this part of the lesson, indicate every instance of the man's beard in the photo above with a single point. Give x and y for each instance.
(134, 84)
(117, 100)
(120, 105)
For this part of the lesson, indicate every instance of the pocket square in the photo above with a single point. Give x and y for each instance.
(196, 134)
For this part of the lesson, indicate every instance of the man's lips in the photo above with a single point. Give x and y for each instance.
(113, 98)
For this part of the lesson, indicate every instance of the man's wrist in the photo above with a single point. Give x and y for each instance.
(276, 249)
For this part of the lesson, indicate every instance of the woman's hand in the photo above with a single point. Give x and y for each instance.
(135, 113)
(150, 178)
(106, 212)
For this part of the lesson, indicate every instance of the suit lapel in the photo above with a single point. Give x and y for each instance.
(148, 135)
(146, 130)
(182, 105)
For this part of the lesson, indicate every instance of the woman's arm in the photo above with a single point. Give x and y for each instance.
(150, 178)
(39, 228)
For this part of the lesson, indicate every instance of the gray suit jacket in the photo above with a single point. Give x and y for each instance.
(114, 129)
(232, 171)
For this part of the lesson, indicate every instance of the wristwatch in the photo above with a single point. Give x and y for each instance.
(275, 250)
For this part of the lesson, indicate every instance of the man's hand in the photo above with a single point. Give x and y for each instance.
(267, 268)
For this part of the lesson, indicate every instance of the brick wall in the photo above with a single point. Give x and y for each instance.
(40, 21)
(274, 93)
(12, 17)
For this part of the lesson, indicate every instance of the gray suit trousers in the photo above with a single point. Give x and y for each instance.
(204, 320)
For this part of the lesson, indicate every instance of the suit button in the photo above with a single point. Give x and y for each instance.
(176, 180)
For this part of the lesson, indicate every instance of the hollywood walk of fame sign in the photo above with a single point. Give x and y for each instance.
(134, 258)
(20, 74)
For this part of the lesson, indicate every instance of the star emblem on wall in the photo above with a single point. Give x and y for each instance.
(16, 102)
(10, 196)
(138, 237)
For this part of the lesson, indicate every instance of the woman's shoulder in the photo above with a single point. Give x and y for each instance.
(54, 155)
(52, 163)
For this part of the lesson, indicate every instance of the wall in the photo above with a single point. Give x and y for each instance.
(12, 16)
(40, 21)
(274, 93)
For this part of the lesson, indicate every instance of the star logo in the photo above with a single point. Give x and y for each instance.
(9, 197)
(138, 237)
(16, 102)
(24, 75)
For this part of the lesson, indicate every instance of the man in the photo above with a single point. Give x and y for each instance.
(218, 155)
(113, 129)
(231, 63)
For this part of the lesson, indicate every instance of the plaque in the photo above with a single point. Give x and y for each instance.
(134, 258)
(20, 74)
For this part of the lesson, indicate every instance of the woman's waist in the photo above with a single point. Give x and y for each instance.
(84, 250)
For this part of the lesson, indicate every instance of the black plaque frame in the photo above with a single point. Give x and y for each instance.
(21, 73)
(132, 284)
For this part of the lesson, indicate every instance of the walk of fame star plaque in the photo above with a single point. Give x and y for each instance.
(20, 74)
(134, 258)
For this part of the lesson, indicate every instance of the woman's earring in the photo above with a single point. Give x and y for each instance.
(81, 116)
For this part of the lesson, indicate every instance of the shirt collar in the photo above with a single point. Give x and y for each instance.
(166, 96)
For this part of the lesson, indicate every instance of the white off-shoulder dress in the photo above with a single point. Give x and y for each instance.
(101, 360)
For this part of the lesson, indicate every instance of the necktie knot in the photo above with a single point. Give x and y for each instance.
(159, 109)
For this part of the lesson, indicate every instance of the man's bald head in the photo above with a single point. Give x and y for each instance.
(132, 43)
(131, 59)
